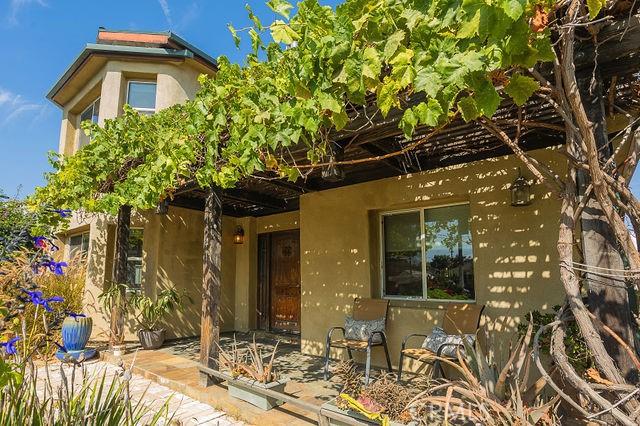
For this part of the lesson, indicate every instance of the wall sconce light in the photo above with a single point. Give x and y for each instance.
(163, 207)
(238, 235)
(520, 191)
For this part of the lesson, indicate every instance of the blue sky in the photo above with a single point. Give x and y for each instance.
(42, 37)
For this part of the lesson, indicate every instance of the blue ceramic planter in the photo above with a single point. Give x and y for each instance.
(76, 332)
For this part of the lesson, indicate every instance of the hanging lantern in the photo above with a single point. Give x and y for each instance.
(520, 191)
(238, 236)
(333, 172)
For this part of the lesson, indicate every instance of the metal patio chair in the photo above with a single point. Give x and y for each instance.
(364, 309)
(459, 318)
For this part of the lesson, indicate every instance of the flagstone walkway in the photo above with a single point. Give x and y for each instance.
(186, 411)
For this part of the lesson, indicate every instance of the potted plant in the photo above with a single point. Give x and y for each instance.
(148, 314)
(114, 300)
(250, 373)
(76, 331)
(382, 401)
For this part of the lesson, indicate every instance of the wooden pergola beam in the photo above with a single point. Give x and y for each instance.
(255, 198)
(211, 283)
(394, 163)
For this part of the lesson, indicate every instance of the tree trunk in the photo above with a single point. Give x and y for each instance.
(211, 281)
(123, 228)
(608, 296)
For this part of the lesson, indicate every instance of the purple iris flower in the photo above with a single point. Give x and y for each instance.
(55, 267)
(44, 243)
(10, 346)
(37, 299)
(74, 315)
(63, 212)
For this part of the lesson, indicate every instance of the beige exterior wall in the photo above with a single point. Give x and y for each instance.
(176, 81)
(172, 248)
(515, 262)
(172, 257)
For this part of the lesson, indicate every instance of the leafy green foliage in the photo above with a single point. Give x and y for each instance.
(79, 398)
(149, 312)
(245, 118)
(520, 88)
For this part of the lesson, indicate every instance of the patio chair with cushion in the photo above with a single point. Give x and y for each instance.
(363, 330)
(461, 322)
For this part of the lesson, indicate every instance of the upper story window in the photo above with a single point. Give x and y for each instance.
(427, 254)
(91, 114)
(141, 96)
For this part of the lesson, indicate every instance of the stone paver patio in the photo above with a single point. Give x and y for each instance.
(186, 411)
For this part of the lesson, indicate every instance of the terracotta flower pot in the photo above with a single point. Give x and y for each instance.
(151, 339)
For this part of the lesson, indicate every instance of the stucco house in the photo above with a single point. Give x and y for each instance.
(424, 231)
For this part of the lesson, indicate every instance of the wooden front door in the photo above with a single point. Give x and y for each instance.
(284, 280)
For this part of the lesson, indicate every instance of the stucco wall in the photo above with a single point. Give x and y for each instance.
(176, 82)
(179, 264)
(515, 265)
(172, 256)
(278, 222)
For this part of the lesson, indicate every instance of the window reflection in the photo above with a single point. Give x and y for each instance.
(403, 255)
(449, 255)
(438, 237)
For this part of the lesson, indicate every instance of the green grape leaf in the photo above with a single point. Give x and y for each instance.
(340, 119)
(412, 17)
(328, 102)
(234, 34)
(520, 88)
(468, 108)
(469, 28)
(595, 6)
(372, 64)
(429, 112)
(387, 96)
(513, 8)
(486, 96)
(281, 7)
(393, 42)
(428, 81)
(282, 33)
(408, 123)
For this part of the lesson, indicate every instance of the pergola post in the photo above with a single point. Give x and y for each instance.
(608, 297)
(123, 229)
(211, 281)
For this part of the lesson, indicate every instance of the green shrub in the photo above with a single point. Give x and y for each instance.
(39, 327)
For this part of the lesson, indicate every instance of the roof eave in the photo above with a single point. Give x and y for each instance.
(107, 49)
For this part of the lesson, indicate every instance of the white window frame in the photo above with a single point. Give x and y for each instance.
(425, 294)
(80, 131)
(142, 110)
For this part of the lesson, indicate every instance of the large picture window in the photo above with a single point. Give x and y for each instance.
(427, 254)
